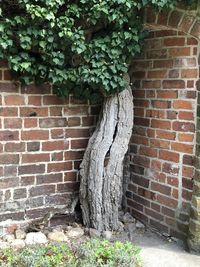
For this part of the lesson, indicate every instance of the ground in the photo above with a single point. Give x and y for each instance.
(159, 252)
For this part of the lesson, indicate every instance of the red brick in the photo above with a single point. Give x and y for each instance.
(139, 140)
(41, 190)
(9, 87)
(187, 195)
(8, 112)
(27, 180)
(86, 121)
(174, 73)
(163, 64)
(33, 112)
(75, 111)
(151, 133)
(186, 115)
(68, 187)
(14, 147)
(188, 172)
(57, 156)
(9, 159)
(170, 168)
(161, 124)
(186, 137)
(31, 169)
(173, 181)
(35, 100)
(141, 121)
(75, 121)
(167, 94)
(70, 176)
(141, 103)
(165, 135)
(157, 74)
(166, 190)
(154, 214)
(12, 123)
(147, 151)
(186, 23)
(161, 104)
(30, 158)
(9, 183)
(52, 122)
(159, 143)
(188, 160)
(146, 193)
(49, 178)
(138, 93)
(55, 145)
(183, 126)
(175, 18)
(168, 212)
(79, 144)
(57, 134)
(14, 100)
(187, 183)
(58, 167)
(182, 148)
(155, 207)
(166, 201)
(151, 84)
(171, 41)
(196, 28)
(54, 100)
(173, 84)
(9, 135)
(78, 132)
(141, 161)
(155, 165)
(156, 54)
(33, 89)
(139, 112)
(192, 41)
(55, 111)
(172, 115)
(30, 122)
(189, 73)
(179, 52)
(168, 155)
(155, 113)
(35, 135)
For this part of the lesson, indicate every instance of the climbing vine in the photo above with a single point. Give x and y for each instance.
(82, 47)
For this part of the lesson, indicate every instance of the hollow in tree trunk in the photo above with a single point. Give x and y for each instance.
(102, 166)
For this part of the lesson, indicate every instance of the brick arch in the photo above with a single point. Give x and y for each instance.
(160, 110)
(184, 21)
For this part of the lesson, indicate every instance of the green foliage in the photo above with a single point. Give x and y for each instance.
(98, 253)
(81, 47)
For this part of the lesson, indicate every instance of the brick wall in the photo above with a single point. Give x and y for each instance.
(42, 140)
(163, 143)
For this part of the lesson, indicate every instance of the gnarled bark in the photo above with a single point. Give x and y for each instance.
(101, 186)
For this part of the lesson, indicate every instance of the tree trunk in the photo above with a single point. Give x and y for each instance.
(102, 166)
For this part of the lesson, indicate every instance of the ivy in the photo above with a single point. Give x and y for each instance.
(82, 47)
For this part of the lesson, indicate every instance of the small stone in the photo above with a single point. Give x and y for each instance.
(20, 234)
(140, 225)
(127, 218)
(9, 238)
(69, 227)
(17, 244)
(11, 228)
(3, 245)
(121, 215)
(35, 238)
(57, 236)
(94, 233)
(75, 232)
(120, 227)
(107, 235)
(131, 227)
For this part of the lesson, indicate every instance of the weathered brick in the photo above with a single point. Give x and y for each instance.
(166, 201)
(9, 159)
(170, 168)
(13, 123)
(41, 190)
(9, 135)
(166, 190)
(54, 145)
(49, 178)
(183, 126)
(14, 100)
(35, 135)
(59, 166)
(182, 148)
(160, 124)
(14, 147)
(33, 112)
(31, 158)
(31, 169)
(140, 180)
(168, 155)
(52, 122)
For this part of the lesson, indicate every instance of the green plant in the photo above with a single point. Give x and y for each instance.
(93, 253)
(81, 47)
